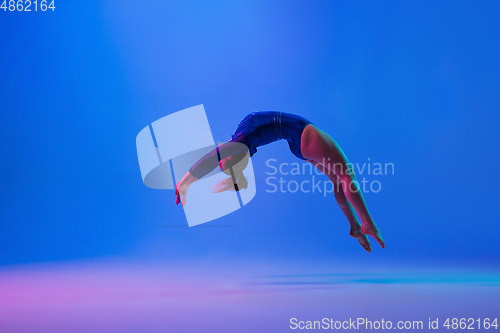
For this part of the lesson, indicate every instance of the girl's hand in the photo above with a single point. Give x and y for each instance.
(182, 188)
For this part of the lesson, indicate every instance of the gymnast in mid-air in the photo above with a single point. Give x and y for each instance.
(308, 143)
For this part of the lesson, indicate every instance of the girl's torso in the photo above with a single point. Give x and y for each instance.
(262, 128)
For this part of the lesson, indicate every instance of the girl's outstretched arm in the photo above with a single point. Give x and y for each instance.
(211, 160)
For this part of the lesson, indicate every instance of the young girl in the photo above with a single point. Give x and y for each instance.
(308, 143)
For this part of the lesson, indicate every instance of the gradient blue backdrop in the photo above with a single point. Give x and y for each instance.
(414, 83)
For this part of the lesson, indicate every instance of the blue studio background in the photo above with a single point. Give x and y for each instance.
(413, 83)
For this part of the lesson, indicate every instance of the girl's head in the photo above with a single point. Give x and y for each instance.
(233, 166)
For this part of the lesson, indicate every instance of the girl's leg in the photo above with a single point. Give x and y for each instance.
(346, 207)
(318, 146)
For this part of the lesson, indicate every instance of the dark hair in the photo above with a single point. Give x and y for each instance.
(229, 184)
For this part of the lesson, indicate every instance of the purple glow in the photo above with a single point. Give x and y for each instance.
(105, 296)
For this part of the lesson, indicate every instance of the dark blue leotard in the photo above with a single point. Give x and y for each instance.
(255, 130)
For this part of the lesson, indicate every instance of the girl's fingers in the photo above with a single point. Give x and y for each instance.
(180, 196)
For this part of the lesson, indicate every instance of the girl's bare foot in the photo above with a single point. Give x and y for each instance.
(362, 239)
(372, 230)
